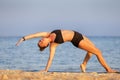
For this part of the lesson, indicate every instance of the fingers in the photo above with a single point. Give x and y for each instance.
(20, 41)
(43, 71)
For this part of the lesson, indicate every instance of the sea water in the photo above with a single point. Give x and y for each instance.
(67, 58)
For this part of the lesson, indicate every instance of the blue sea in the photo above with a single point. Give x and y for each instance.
(67, 58)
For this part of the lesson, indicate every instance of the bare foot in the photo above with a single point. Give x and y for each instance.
(112, 71)
(82, 67)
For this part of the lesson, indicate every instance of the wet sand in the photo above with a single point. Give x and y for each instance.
(24, 75)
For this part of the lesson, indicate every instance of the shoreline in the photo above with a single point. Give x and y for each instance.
(25, 75)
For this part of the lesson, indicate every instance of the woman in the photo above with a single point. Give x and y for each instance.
(56, 37)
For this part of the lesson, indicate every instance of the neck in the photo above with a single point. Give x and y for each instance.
(50, 39)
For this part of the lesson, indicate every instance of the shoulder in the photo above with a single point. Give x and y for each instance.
(53, 45)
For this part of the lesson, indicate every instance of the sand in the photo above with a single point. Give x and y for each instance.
(23, 75)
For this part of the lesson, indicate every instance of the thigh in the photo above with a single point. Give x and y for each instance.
(88, 46)
(88, 41)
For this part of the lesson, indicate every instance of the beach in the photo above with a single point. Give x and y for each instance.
(25, 75)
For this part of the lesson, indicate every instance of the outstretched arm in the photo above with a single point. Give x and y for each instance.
(51, 56)
(35, 35)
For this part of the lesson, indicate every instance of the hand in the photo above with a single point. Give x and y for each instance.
(43, 71)
(20, 41)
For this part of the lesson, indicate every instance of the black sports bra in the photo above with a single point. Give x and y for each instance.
(59, 38)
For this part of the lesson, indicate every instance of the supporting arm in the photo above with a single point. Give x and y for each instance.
(51, 56)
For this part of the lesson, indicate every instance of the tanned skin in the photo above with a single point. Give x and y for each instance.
(85, 44)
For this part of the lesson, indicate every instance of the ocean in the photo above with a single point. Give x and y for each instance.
(67, 58)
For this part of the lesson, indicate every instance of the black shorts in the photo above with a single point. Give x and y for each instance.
(76, 38)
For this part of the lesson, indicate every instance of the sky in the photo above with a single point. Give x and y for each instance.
(89, 17)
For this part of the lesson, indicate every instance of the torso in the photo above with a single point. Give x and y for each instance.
(62, 36)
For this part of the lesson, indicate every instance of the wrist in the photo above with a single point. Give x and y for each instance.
(23, 38)
(46, 70)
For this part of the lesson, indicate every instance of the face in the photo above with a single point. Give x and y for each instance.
(43, 42)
